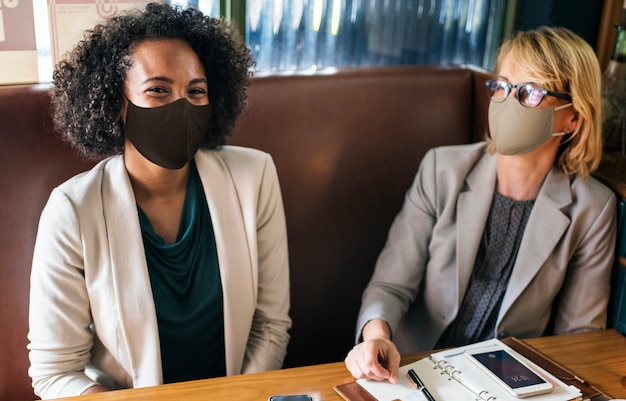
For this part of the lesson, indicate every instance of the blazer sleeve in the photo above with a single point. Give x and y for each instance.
(267, 344)
(59, 335)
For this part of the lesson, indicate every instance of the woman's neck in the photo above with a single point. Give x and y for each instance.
(151, 181)
(520, 177)
(159, 192)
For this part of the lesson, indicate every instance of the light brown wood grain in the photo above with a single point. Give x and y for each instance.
(598, 357)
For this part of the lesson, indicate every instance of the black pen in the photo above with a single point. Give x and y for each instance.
(419, 384)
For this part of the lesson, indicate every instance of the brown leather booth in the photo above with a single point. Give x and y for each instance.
(346, 144)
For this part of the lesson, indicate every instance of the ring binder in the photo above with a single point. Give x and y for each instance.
(445, 366)
(454, 374)
(483, 394)
(450, 375)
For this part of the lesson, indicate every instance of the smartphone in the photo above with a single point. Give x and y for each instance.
(295, 397)
(508, 371)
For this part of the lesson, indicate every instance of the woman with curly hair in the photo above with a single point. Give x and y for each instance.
(508, 237)
(167, 261)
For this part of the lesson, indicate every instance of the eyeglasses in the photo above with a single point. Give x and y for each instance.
(527, 94)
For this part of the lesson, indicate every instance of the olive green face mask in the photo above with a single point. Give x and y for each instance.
(516, 129)
(168, 135)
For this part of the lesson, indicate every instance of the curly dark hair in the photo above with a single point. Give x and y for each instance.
(88, 85)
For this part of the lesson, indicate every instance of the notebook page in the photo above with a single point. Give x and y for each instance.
(471, 381)
(438, 384)
(385, 391)
(475, 377)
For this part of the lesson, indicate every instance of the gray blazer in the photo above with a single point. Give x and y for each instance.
(562, 270)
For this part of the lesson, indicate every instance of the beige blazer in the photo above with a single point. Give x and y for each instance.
(562, 272)
(92, 315)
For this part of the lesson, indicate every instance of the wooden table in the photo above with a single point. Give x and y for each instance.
(598, 357)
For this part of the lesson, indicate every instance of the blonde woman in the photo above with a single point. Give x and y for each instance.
(508, 237)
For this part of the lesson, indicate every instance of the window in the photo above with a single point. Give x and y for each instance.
(309, 35)
(287, 36)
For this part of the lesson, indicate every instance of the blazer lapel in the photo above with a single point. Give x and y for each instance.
(233, 251)
(472, 217)
(545, 227)
(131, 282)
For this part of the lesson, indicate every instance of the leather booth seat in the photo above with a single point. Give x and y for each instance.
(346, 145)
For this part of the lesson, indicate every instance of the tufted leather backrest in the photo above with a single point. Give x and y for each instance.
(32, 162)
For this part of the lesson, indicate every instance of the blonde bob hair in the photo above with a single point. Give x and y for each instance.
(562, 61)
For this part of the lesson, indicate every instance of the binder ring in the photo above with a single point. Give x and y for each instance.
(484, 396)
(440, 363)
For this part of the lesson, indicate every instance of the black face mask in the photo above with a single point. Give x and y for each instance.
(168, 135)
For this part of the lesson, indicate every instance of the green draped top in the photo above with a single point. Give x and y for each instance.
(187, 291)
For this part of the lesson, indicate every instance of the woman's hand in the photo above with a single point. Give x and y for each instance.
(377, 357)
